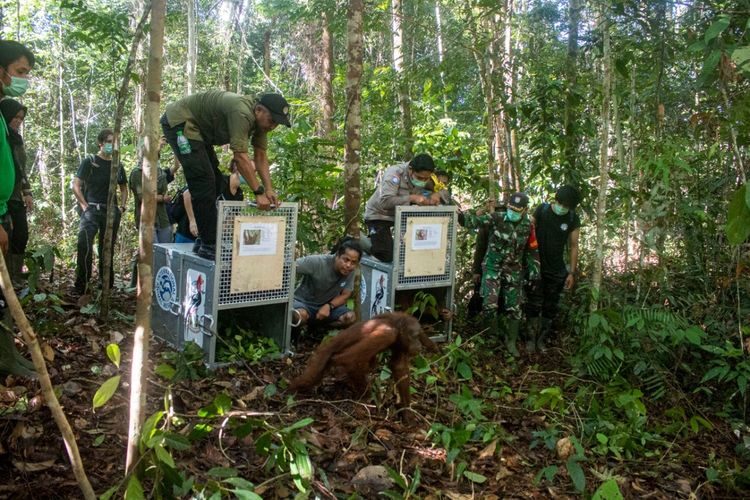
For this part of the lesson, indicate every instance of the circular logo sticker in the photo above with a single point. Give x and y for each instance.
(165, 288)
(563, 226)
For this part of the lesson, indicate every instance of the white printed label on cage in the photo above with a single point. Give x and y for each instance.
(258, 254)
(257, 238)
(426, 236)
(425, 249)
(194, 305)
(165, 288)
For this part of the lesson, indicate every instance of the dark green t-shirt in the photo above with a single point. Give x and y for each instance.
(7, 168)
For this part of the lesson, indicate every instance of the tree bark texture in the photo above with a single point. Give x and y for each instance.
(601, 205)
(326, 77)
(47, 390)
(192, 48)
(570, 117)
(402, 88)
(355, 51)
(146, 247)
(111, 205)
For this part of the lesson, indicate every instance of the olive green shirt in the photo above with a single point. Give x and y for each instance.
(217, 118)
(136, 186)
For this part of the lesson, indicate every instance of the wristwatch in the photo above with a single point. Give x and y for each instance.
(261, 189)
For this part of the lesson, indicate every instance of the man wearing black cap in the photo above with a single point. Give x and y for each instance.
(401, 184)
(557, 225)
(194, 124)
(511, 254)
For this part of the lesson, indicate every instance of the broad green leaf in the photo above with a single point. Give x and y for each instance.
(106, 391)
(464, 371)
(113, 353)
(548, 473)
(576, 474)
(601, 438)
(98, 440)
(741, 57)
(175, 441)
(135, 490)
(608, 490)
(165, 371)
(149, 425)
(738, 218)
(108, 494)
(239, 482)
(164, 456)
(474, 477)
(716, 28)
(247, 495)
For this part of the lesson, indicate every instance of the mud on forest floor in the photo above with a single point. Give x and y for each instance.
(508, 457)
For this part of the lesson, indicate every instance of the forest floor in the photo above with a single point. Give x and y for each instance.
(487, 441)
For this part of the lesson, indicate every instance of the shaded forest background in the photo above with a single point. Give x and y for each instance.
(643, 105)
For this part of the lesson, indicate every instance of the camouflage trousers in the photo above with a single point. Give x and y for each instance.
(503, 292)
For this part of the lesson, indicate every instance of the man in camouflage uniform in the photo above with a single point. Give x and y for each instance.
(511, 253)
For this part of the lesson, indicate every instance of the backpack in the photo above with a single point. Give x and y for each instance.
(176, 207)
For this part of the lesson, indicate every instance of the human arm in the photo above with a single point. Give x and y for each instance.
(264, 170)
(339, 300)
(124, 195)
(78, 192)
(573, 249)
(247, 168)
(188, 202)
(533, 265)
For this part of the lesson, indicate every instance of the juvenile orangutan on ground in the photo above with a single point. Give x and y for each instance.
(353, 354)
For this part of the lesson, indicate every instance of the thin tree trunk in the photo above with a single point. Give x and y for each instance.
(620, 151)
(402, 88)
(355, 51)
(326, 80)
(61, 126)
(570, 115)
(241, 27)
(112, 196)
(145, 255)
(192, 43)
(47, 390)
(631, 166)
(267, 53)
(441, 54)
(601, 206)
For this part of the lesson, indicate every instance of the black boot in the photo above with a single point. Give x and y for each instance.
(532, 334)
(544, 331)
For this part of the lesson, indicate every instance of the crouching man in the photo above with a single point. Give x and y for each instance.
(326, 284)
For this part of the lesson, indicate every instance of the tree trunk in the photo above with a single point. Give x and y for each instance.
(326, 77)
(402, 88)
(440, 54)
(601, 206)
(241, 27)
(145, 253)
(353, 196)
(61, 124)
(571, 115)
(111, 205)
(267, 53)
(192, 45)
(44, 381)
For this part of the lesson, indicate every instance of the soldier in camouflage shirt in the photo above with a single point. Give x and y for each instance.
(511, 251)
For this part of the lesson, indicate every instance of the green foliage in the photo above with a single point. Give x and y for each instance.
(407, 487)
(105, 392)
(246, 347)
(738, 218)
(185, 365)
(424, 303)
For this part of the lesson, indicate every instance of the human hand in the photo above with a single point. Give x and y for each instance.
(323, 312)
(434, 199)
(272, 197)
(193, 228)
(29, 201)
(262, 201)
(165, 198)
(417, 199)
(570, 281)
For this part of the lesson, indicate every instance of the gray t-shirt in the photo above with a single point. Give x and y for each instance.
(320, 282)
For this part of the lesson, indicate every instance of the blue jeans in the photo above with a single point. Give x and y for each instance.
(312, 311)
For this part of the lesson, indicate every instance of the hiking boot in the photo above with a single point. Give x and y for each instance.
(207, 251)
(513, 325)
(544, 331)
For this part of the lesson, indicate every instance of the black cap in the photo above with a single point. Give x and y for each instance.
(568, 196)
(422, 162)
(278, 107)
(518, 200)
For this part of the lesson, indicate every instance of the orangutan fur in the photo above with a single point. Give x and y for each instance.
(353, 353)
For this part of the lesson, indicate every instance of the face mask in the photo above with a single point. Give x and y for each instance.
(559, 209)
(512, 216)
(418, 183)
(107, 148)
(17, 87)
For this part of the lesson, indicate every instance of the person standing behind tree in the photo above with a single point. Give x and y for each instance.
(91, 189)
(16, 62)
(195, 124)
(557, 225)
(511, 255)
(20, 201)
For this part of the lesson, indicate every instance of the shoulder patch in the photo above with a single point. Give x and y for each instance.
(396, 180)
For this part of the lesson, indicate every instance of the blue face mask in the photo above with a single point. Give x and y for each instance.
(559, 209)
(107, 148)
(17, 87)
(418, 183)
(513, 216)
